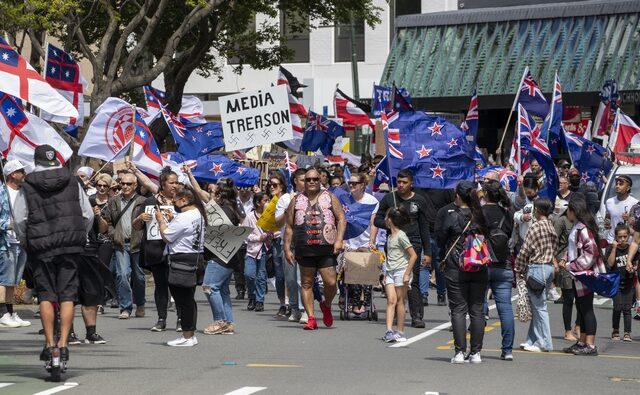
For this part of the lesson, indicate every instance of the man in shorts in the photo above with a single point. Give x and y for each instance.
(53, 216)
(316, 225)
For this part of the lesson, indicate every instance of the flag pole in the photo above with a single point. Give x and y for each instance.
(553, 97)
(513, 107)
(519, 150)
(386, 145)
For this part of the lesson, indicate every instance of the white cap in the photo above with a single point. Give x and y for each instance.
(86, 170)
(11, 166)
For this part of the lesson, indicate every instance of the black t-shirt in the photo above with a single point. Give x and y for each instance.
(493, 214)
(626, 278)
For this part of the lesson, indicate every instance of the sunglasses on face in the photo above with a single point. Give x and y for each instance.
(127, 183)
(102, 186)
(353, 183)
(274, 184)
(312, 179)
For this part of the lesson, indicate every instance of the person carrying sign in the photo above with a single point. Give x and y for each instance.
(316, 225)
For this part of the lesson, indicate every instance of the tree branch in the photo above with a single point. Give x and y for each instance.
(35, 43)
(106, 39)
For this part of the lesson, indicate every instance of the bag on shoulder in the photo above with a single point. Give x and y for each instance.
(500, 243)
(475, 253)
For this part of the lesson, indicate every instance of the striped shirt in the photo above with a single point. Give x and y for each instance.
(539, 245)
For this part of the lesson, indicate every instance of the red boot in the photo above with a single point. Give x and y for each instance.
(327, 317)
(311, 325)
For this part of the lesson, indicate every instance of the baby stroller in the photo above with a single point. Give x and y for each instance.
(360, 269)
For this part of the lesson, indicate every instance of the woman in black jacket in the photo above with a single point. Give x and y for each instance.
(466, 289)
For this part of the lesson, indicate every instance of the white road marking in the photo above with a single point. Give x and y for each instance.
(60, 388)
(600, 301)
(2, 385)
(431, 393)
(430, 332)
(246, 391)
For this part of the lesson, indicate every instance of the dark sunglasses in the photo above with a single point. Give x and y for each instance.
(127, 183)
(102, 186)
(274, 184)
(354, 183)
(312, 179)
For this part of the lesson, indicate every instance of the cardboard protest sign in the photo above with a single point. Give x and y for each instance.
(276, 161)
(153, 230)
(267, 220)
(255, 118)
(222, 237)
(261, 165)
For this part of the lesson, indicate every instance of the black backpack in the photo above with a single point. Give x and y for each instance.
(499, 241)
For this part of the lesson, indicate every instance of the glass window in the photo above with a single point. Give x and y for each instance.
(295, 32)
(343, 41)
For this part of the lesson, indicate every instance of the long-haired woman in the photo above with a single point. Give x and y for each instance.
(277, 187)
(466, 289)
(255, 262)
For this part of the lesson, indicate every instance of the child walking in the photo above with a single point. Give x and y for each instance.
(623, 300)
(400, 260)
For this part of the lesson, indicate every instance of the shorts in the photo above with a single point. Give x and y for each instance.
(394, 277)
(12, 263)
(56, 279)
(317, 262)
(91, 281)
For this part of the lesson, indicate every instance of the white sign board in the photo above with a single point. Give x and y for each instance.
(222, 237)
(153, 231)
(255, 118)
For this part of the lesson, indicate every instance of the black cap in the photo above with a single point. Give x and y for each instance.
(625, 177)
(45, 155)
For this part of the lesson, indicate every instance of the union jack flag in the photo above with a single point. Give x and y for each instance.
(530, 96)
(393, 137)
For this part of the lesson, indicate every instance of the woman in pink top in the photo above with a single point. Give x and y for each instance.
(258, 245)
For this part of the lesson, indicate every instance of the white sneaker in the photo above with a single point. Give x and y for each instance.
(20, 321)
(532, 348)
(183, 342)
(304, 318)
(7, 321)
(458, 358)
(475, 358)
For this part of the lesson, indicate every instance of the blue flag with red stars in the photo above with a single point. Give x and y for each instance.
(320, 134)
(211, 168)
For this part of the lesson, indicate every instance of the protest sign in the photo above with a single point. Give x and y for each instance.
(153, 230)
(263, 167)
(276, 161)
(255, 118)
(222, 237)
(267, 220)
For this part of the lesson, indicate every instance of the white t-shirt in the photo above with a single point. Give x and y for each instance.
(363, 239)
(615, 208)
(281, 207)
(185, 233)
(13, 193)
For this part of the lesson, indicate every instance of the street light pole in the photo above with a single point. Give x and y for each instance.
(358, 143)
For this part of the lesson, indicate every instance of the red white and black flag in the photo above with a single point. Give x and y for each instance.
(352, 112)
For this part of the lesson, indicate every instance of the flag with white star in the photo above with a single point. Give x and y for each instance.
(211, 168)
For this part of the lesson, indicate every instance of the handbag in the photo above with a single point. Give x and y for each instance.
(186, 270)
(523, 304)
(534, 285)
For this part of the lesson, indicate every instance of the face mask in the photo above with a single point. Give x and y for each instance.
(178, 209)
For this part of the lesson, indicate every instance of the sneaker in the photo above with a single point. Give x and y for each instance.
(251, 305)
(282, 311)
(94, 339)
(124, 315)
(288, 311)
(627, 337)
(425, 301)
(475, 358)
(532, 348)
(183, 342)
(577, 345)
(179, 325)
(636, 316)
(19, 320)
(311, 324)
(458, 358)
(140, 311)
(389, 337)
(327, 317)
(506, 356)
(442, 300)
(259, 306)
(295, 316)
(114, 304)
(73, 339)
(615, 336)
(399, 336)
(216, 328)
(7, 321)
(417, 323)
(240, 296)
(229, 329)
(100, 309)
(160, 326)
(553, 294)
(64, 353)
(586, 350)
(45, 354)
(304, 318)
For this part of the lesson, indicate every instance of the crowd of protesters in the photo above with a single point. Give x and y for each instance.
(139, 227)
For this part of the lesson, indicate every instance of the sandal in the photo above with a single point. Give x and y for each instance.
(615, 336)
(627, 337)
(216, 328)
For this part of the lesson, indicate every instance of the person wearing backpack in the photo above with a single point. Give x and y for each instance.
(500, 225)
(466, 289)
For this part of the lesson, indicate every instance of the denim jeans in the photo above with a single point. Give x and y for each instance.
(500, 282)
(539, 328)
(278, 264)
(426, 273)
(255, 274)
(292, 279)
(129, 278)
(216, 284)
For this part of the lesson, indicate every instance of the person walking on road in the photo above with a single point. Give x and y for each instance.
(255, 261)
(315, 228)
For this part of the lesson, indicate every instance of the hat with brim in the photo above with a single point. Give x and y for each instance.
(12, 166)
(46, 156)
(625, 178)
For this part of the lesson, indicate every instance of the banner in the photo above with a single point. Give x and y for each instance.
(267, 220)
(153, 231)
(255, 118)
(223, 238)
(263, 167)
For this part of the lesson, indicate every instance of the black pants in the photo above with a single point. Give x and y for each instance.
(622, 303)
(466, 295)
(161, 291)
(238, 271)
(586, 315)
(568, 295)
(416, 308)
(186, 304)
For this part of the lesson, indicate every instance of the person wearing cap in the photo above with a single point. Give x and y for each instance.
(617, 207)
(52, 219)
(85, 173)
(12, 257)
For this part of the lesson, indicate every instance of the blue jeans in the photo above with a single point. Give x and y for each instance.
(539, 329)
(278, 264)
(255, 274)
(217, 279)
(425, 273)
(129, 278)
(292, 279)
(500, 282)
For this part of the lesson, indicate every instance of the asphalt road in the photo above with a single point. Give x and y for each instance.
(272, 356)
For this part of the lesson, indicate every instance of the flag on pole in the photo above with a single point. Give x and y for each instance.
(352, 112)
(320, 134)
(191, 107)
(471, 121)
(607, 108)
(211, 168)
(22, 132)
(296, 109)
(552, 125)
(18, 78)
(193, 139)
(146, 155)
(381, 100)
(111, 131)
(401, 100)
(531, 97)
(625, 134)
